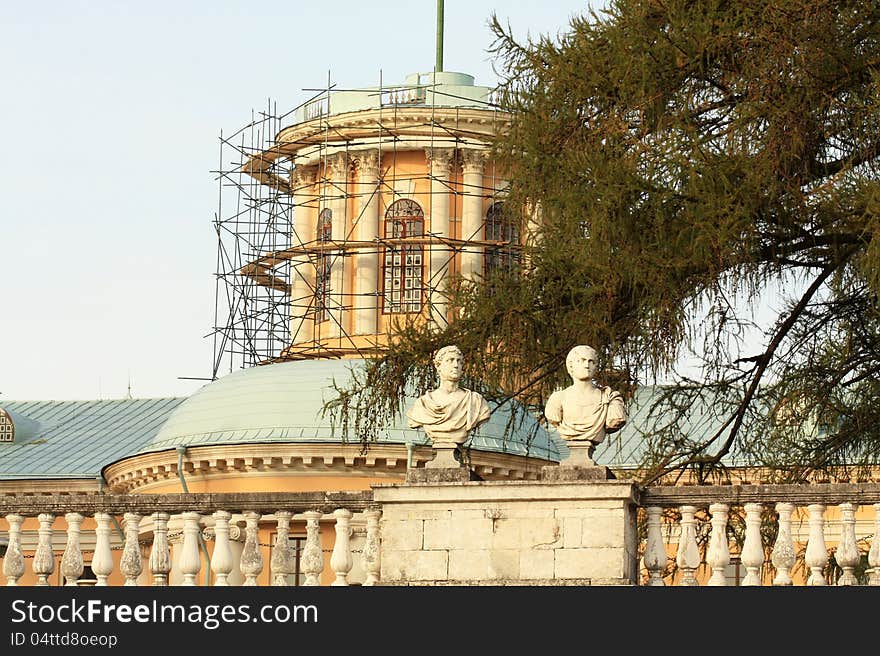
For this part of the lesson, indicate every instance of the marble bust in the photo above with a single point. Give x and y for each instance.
(584, 413)
(449, 413)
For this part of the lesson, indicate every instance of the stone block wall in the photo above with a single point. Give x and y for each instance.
(509, 533)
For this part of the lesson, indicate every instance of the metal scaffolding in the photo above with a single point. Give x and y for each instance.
(259, 310)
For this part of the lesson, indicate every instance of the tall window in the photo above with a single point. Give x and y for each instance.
(500, 228)
(322, 278)
(403, 264)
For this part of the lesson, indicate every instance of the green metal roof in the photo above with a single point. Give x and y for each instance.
(272, 403)
(75, 439)
(283, 403)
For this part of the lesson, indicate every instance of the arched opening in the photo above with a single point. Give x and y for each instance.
(402, 265)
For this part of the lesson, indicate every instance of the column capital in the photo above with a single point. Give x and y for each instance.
(337, 166)
(368, 164)
(439, 158)
(303, 176)
(473, 161)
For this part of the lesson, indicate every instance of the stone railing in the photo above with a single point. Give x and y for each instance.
(780, 534)
(526, 532)
(137, 510)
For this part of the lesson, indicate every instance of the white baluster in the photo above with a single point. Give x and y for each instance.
(817, 553)
(847, 554)
(282, 556)
(102, 559)
(160, 554)
(13, 561)
(874, 553)
(688, 555)
(371, 555)
(44, 557)
(221, 559)
(251, 559)
(753, 551)
(72, 560)
(718, 556)
(131, 565)
(783, 556)
(340, 559)
(190, 560)
(312, 558)
(655, 550)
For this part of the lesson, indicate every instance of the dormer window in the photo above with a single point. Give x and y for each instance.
(7, 427)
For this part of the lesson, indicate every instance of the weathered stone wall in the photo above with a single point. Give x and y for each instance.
(505, 533)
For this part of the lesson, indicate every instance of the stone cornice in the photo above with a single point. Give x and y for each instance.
(478, 124)
(298, 459)
(218, 461)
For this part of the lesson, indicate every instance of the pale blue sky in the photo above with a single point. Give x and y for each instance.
(112, 113)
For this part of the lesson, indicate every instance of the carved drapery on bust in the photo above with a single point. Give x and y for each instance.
(584, 411)
(448, 413)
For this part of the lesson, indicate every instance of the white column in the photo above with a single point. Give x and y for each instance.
(13, 561)
(221, 559)
(340, 560)
(718, 556)
(282, 558)
(160, 554)
(371, 555)
(367, 261)
(251, 559)
(131, 564)
(472, 219)
(874, 552)
(753, 551)
(655, 550)
(102, 559)
(440, 160)
(312, 558)
(44, 556)
(339, 295)
(817, 553)
(783, 556)
(302, 275)
(72, 560)
(847, 554)
(190, 561)
(688, 555)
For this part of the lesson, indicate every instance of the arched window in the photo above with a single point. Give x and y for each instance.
(500, 228)
(322, 278)
(403, 264)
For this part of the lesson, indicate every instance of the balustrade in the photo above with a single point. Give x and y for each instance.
(714, 535)
(148, 521)
(793, 535)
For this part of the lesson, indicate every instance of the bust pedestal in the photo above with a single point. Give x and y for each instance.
(444, 468)
(578, 466)
(444, 457)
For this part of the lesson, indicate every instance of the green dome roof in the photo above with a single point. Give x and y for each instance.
(282, 403)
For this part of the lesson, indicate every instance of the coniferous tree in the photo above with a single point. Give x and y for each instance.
(706, 176)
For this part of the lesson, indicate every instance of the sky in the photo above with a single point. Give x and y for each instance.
(112, 114)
